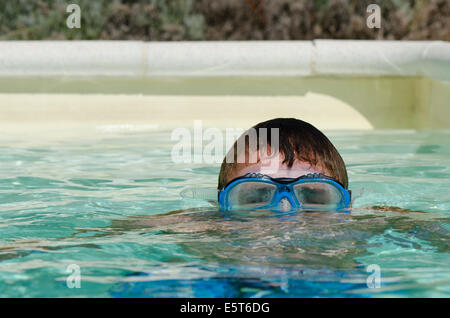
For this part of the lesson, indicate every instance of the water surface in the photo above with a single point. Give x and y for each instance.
(102, 204)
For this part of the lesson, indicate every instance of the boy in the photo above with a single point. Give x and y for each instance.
(303, 171)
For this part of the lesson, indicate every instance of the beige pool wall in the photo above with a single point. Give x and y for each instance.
(100, 86)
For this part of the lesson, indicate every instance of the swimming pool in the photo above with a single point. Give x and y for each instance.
(88, 187)
(100, 203)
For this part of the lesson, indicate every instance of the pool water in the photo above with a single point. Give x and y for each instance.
(102, 205)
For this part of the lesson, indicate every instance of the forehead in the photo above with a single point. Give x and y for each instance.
(275, 168)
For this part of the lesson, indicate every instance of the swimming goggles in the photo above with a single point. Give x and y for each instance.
(258, 191)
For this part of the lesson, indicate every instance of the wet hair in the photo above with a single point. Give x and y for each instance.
(298, 140)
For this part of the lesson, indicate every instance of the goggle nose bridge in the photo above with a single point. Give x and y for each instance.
(284, 188)
(285, 192)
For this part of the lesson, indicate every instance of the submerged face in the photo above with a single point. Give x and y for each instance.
(316, 194)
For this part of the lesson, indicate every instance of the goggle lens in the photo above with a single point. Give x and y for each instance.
(251, 194)
(318, 195)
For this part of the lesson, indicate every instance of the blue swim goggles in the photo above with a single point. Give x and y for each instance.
(309, 192)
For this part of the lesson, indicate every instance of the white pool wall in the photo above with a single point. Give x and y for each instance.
(335, 84)
(269, 58)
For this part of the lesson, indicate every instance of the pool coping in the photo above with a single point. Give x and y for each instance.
(231, 58)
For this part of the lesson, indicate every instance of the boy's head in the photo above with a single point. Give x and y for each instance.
(303, 149)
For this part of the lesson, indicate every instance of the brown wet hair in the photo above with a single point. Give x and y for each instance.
(298, 140)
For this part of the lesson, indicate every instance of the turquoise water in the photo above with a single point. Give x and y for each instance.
(101, 204)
